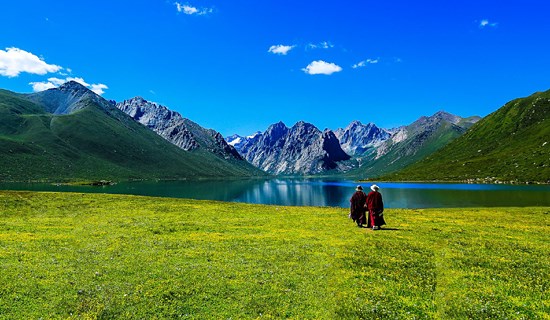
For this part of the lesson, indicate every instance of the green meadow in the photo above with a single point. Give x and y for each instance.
(99, 256)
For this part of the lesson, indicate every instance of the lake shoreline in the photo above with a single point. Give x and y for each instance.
(318, 193)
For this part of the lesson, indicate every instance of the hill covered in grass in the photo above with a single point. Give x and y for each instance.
(69, 133)
(412, 143)
(68, 255)
(511, 144)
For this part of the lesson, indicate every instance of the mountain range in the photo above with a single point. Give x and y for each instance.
(510, 144)
(411, 143)
(358, 139)
(70, 133)
(180, 131)
(302, 149)
(358, 150)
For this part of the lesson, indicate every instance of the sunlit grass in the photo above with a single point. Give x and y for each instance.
(69, 255)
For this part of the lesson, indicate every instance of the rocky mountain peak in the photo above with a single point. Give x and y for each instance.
(277, 126)
(68, 98)
(301, 149)
(358, 139)
(427, 124)
(443, 115)
(354, 124)
(276, 131)
(139, 99)
(303, 128)
(180, 131)
(73, 86)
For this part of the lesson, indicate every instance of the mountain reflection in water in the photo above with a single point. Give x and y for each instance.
(315, 192)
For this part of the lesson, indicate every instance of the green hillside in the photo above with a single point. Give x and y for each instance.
(511, 144)
(423, 137)
(92, 143)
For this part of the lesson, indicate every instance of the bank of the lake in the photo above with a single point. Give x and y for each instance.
(318, 192)
(69, 255)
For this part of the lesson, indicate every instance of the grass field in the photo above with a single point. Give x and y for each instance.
(96, 256)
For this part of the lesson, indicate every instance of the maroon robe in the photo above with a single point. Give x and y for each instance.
(357, 207)
(375, 207)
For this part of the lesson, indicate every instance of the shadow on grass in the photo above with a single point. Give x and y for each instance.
(381, 229)
(388, 229)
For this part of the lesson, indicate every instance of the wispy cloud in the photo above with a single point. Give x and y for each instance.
(14, 61)
(41, 86)
(364, 63)
(486, 23)
(320, 45)
(98, 88)
(280, 49)
(191, 10)
(322, 67)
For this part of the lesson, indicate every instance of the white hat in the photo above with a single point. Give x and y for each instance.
(359, 188)
(374, 187)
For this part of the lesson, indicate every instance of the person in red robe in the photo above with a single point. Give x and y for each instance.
(357, 207)
(375, 207)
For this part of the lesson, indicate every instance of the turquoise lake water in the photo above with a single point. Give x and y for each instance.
(314, 192)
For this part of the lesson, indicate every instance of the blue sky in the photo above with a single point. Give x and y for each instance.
(239, 66)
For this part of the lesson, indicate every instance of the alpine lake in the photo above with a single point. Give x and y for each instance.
(317, 192)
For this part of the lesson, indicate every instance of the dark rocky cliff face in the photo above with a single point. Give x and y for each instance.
(302, 149)
(182, 132)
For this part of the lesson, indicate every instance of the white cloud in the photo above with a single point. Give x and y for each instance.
(98, 88)
(57, 82)
(41, 86)
(190, 10)
(364, 63)
(321, 45)
(322, 67)
(13, 61)
(280, 49)
(486, 23)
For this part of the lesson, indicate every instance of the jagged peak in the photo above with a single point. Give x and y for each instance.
(446, 116)
(67, 98)
(441, 113)
(254, 135)
(149, 106)
(141, 100)
(277, 125)
(304, 124)
(358, 124)
(138, 98)
(355, 123)
(73, 86)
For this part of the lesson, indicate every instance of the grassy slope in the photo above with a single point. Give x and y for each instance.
(409, 151)
(422, 141)
(92, 143)
(509, 144)
(107, 256)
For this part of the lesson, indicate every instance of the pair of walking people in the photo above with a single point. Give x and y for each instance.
(367, 210)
